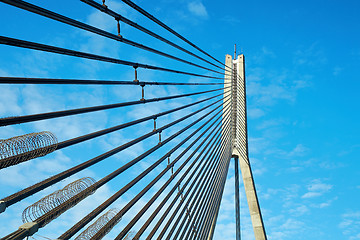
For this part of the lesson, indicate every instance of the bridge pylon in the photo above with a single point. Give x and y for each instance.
(240, 140)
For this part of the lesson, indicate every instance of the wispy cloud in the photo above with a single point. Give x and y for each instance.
(197, 8)
(300, 210)
(316, 188)
(310, 56)
(350, 225)
(255, 113)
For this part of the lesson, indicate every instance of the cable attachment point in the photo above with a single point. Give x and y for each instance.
(159, 138)
(118, 27)
(154, 124)
(142, 91)
(136, 80)
(172, 167)
(104, 3)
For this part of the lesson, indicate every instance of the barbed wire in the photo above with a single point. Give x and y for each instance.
(22, 148)
(97, 225)
(53, 200)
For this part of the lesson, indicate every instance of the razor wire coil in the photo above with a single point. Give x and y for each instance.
(53, 200)
(97, 225)
(22, 148)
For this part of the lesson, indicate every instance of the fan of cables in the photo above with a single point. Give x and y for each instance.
(22, 148)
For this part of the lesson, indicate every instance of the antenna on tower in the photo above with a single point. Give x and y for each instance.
(235, 51)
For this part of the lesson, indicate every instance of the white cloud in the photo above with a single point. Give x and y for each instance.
(316, 188)
(299, 150)
(350, 225)
(311, 195)
(298, 211)
(198, 9)
(255, 113)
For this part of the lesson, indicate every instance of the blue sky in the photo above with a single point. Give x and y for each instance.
(303, 103)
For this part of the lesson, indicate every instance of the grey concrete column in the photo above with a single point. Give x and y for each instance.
(241, 147)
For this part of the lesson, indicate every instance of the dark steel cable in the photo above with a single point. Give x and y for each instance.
(207, 184)
(196, 205)
(154, 19)
(77, 198)
(200, 185)
(58, 17)
(47, 48)
(125, 125)
(49, 115)
(199, 163)
(203, 210)
(194, 194)
(152, 200)
(209, 204)
(209, 230)
(136, 218)
(199, 210)
(17, 235)
(175, 211)
(23, 80)
(113, 222)
(219, 197)
(192, 199)
(56, 178)
(118, 17)
(204, 167)
(68, 234)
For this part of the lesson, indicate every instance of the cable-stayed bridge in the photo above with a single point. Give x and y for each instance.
(182, 186)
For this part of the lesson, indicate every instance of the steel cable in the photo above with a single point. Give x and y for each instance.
(175, 211)
(177, 185)
(192, 198)
(54, 179)
(58, 17)
(196, 205)
(47, 48)
(95, 212)
(142, 211)
(49, 115)
(23, 80)
(154, 19)
(211, 190)
(218, 196)
(119, 17)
